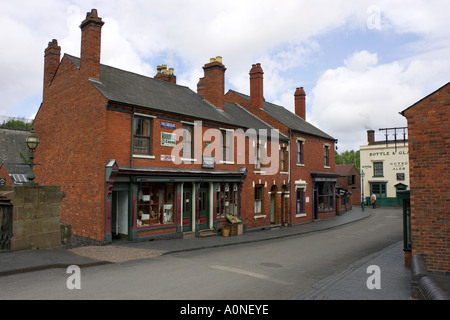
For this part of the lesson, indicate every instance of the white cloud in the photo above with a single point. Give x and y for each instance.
(284, 36)
(364, 94)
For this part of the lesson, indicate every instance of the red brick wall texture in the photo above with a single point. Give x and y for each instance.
(429, 163)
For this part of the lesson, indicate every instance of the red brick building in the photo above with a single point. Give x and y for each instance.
(139, 156)
(429, 162)
(144, 157)
(349, 180)
(307, 163)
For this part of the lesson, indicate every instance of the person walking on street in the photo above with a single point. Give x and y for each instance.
(373, 199)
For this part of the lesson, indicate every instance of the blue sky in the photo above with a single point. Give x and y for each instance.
(360, 62)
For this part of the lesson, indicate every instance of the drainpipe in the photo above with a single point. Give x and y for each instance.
(290, 178)
(132, 138)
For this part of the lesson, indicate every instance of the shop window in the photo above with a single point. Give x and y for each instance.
(259, 199)
(142, 136)
(379, 189)
(155, 204)
(300, 201)
(325, 196)
(188, 141)
(378, 169)
(226, 199)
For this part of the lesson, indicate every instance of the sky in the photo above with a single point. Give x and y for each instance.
(360, 62)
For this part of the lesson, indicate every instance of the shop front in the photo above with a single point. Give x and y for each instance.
(324, 195)
(155, 202)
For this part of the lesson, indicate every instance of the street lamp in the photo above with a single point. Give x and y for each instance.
(362, 196)
(32, 143)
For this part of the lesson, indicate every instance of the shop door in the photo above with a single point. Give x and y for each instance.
(273, 205)
(119, 215)
(187, 207)
(203, 209)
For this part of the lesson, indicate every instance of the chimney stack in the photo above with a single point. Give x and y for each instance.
(201, 87)
(212, 85)
(166, 74)
(256, 86)
(371, 137)
(91, 34)
(300, 103)
(52, 56)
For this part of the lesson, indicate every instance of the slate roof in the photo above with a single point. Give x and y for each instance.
(289, 119)
(12, 142)
(130, 88)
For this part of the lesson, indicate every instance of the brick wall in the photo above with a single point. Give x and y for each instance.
(70, 126)
(36, 217)
(313, 158)
(429, 148)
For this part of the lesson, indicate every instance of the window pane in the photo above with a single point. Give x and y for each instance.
(188, 132)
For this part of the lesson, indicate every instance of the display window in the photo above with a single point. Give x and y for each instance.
(156, 204)
(326, 196)
(226, 199)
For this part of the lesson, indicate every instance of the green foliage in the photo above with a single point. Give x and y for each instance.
(348, 157)
(16, 124)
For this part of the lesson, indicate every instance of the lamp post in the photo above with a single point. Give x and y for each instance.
(362, 195)
(32, 143)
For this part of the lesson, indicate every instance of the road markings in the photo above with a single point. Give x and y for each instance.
(249, 273)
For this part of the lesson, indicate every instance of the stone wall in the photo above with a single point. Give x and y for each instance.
(36, 216)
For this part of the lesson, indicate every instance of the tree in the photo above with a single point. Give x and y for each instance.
(348, 157)
(16, 123)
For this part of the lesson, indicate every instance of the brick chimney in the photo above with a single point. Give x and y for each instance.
(91, 34)
(371, 137)
(300, 102)
(52, 56)
(256, 86)
(213, 88)
(165, 74)
(201, 87)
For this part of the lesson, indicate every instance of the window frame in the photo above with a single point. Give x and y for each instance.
(377, 170)
(300, 201)
(188, 128)
(153, 190)
(259, 197)
(326, 155)
(300, 151)
(226, 145)
(139, 136)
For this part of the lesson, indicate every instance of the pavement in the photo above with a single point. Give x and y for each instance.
(395, 281)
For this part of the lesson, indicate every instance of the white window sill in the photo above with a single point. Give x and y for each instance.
(300, 215)
(261, 216)
(226, 162)
(188, 160)
(139, 156)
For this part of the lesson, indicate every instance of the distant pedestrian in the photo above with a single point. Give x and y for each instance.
(373, 199)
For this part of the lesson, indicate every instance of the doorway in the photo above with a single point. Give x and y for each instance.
(187, 207)
(273, 205)
(203, 208)
(119, 215)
